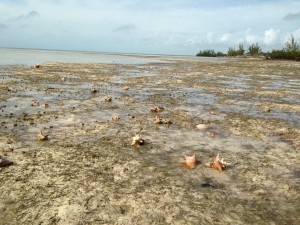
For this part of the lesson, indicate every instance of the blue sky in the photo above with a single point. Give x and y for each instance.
(156, 27)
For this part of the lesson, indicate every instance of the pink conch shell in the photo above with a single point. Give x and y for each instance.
(191, 161)
(213, 134)
(218, 164)
(42, 137)
(37, 66)
(35, 103)
(158, 120)
(116, 117)
(137, 140)
(108, 99)
(157, 109)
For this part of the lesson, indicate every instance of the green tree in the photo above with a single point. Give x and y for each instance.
(207, 53)
(291, 45)
(254, 49)
(231, 52)
(241, 50)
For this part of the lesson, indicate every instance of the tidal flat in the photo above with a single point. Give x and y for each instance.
(87, 172)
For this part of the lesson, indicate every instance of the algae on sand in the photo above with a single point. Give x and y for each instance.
(88, 173)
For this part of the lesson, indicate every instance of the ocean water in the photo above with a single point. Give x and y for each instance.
(13, 56)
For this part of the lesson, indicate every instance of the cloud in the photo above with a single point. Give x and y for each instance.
(250, 38)
(146, 26)
(225, 37)
(29, 15)
(292, 16)
(127, 28)
(296, 34)
(193, 41)
(3, 26)
(271, 36)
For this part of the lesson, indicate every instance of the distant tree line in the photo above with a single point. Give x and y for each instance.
(210, 53)
(291, 51)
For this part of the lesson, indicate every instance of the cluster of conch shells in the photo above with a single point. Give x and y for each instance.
(137, 140)
(5, 162)
(158, 120)
(42, 137)
(35, 103)
(108, 99)
(191, 161)
(218, 164)
(116, 117)
(157, 109)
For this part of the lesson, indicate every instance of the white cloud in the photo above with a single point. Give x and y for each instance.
(271, 36)
(296, 34)
(225, 37)
(183, 26)
(192, 41)
(251, 38)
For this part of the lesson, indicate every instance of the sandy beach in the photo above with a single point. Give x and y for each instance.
(87, 172)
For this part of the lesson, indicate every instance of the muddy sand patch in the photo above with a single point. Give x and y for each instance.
(87, 172)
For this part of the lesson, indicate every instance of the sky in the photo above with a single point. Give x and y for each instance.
(179, 27)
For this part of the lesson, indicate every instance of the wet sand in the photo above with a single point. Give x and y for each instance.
(87, 172)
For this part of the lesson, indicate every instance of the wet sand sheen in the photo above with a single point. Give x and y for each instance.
(88, 173)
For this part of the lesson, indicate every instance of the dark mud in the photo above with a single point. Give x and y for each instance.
(88, 173)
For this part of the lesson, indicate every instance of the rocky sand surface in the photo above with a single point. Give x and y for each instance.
(87, 172)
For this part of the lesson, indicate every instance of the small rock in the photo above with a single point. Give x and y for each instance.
(5, 162)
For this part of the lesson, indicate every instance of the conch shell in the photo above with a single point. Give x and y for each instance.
(5, 162)
(158, 120)
(35, 103)
(213, 134)
(137, 140)
(157, 109)
(108, 99)
(218, 164)
(94, 90)
(126, 88)
(191, 161)
(37, 66)
(42, 137)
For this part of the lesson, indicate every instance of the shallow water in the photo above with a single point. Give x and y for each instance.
(31, 57)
